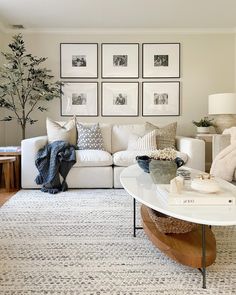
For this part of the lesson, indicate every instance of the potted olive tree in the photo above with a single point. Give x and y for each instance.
(203, 126)
(25, 85)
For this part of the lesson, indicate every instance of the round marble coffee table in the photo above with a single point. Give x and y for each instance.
(201, 243)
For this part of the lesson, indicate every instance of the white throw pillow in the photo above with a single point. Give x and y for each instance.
(146, 142)
(61, 131)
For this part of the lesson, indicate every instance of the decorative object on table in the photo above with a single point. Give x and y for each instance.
(65, 131)
(176, 185)
(80, 99)
(120, 60)
(79, 60)
(11, 149)
(223, 107)
(120, 99)
(143, 162)
(179, 162)
(170, 225)
(203, 126)
(161, 60)
(160, 99)
(186, 174)
(205, 184)
(162, 166)
(191, 197)
(25, 85)
(165, 135)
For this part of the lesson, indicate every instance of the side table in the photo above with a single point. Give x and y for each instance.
(8, 171)
(16, 165)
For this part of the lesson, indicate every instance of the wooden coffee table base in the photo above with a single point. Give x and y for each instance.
(183, 248)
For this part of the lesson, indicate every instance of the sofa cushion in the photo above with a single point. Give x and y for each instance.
(165, 135)
(127, 158)
(89, 137)
(61, 131)
(92, 158)
(142, 143)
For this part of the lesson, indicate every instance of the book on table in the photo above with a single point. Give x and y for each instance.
(190, 197)
(8, 149)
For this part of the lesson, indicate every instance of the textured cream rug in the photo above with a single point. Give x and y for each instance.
(80, 242)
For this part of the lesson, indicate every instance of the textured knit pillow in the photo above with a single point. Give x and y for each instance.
(142, 143)
(165, 136)
(89, 137)
(61, 131)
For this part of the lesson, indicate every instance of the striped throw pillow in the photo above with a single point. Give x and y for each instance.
(146, 142)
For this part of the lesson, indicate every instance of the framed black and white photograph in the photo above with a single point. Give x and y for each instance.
(120, 60)
(120, 99)
(79, 60)
(161, 60)
(80, 99)
(160, 99)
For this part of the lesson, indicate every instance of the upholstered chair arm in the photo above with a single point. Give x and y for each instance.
(195, 149)
(29, 149)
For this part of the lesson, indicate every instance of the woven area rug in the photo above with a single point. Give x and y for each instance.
(80, 242)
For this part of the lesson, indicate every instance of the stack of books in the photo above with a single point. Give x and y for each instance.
(190, 197)
(10, 149)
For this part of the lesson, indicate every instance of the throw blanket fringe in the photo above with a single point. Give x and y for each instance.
(53, 160)
(39, 179)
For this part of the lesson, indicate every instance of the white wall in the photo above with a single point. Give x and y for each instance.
(207, 66)
(2, 124)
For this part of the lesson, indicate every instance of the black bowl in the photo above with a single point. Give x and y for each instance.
(143, 162)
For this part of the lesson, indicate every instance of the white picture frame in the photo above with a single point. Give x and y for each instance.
(161, 60)
(120, 99)
(160, 98)
(80, 99)
(120, 60)
(79, 60)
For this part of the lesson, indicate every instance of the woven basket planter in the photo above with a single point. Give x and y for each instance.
(167, 224)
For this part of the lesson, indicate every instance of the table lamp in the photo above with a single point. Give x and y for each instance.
(223, 105)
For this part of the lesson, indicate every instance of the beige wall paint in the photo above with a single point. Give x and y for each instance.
(2, 124)
(207, 66)
(235, 63)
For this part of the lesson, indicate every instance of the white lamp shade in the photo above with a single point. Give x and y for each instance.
(222, 103)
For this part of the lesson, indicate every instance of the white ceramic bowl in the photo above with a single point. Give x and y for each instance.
(205, 185)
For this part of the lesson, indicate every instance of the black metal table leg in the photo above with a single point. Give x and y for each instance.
(203, 257)
(134, 218)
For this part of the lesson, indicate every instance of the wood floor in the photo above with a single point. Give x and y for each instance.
(4, 196)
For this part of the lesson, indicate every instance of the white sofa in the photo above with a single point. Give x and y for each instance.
(101, 169)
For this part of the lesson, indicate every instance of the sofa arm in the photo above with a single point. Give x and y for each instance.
(195, 149)
(219, 142)
(29, 149)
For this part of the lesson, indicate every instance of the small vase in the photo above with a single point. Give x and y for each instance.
(203, 129)
(162, 171)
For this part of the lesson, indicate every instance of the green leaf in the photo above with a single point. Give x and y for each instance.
(7, 119)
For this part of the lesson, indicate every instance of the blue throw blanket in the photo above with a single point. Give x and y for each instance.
(53, 160)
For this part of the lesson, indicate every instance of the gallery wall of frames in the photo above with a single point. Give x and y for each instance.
(116, 93)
